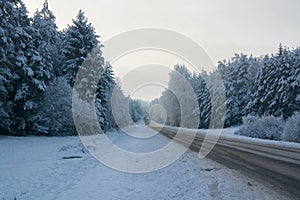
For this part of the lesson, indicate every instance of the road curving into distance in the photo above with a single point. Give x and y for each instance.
(274, 161)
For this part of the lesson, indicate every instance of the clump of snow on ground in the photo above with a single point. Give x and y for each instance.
(36, 168)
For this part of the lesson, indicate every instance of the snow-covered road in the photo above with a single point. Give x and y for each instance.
(37, 168)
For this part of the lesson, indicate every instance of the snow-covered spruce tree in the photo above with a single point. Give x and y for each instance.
(82, 50)
(180, 87)
(252, 76)
(186, 97)
(30, 73)
(203, 96)
(110, 122)
(120, 107)
(6, 63)
(49, 39)
(217, 100)
(286, 98)
(90, 70)
(295, 81)
(277, 87)
(94, 81)
(281, 64)
(265, 94)
(105, 86)
(170, 103)
(79, 40)
(235, 77)
(180, 93)
(54, 116)
(289, 83)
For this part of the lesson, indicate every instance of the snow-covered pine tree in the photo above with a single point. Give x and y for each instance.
(92, 82)
(295, 82)
(289, 82)
(106, 85)
(265, 93)
(234, 74)
(181, 91)
(90, 71)
(239, 75)
(170, 103)
(277, 87)
(203, 96)
(252, 76)
(285, 95)
(30, 73)
(79, 40)
(110, 122)
(217, 100)
(54, 116)
(49, 39)
(6, 50)
(280, 50)
(120, 107)
(108, 79)
(82, 50)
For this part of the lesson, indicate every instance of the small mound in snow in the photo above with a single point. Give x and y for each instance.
(210, 169)
(73, 148)
(71, 157)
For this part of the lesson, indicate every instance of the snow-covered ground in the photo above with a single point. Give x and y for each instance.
(60, 168)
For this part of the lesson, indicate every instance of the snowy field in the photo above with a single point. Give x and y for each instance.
(60, 168)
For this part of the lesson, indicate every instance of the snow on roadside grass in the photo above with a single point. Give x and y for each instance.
(34, 168)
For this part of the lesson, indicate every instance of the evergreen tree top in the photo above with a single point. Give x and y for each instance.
(45, 5)
(45, 13)
(81, 17)
(280, 50)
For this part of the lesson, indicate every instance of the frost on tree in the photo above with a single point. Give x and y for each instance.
(199, 84)
(104, 91)
(6, 63)
(291, 131)
(269, 127)
(29, 73)
(278, 85)
(237, 75)
(79, 40)
(86, 85)
(179, 100)
(54, 116)
(48, 38)
(120, 107)
(170, 103)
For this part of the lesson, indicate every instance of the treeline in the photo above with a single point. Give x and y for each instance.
(38, 66)
(264, 86)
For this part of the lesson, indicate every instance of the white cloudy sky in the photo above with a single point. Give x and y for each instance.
(221, 27)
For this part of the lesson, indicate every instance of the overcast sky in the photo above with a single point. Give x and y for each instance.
(221, 27)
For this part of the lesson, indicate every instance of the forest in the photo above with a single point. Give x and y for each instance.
(39, 63)
(263, 93)
(38, 66)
